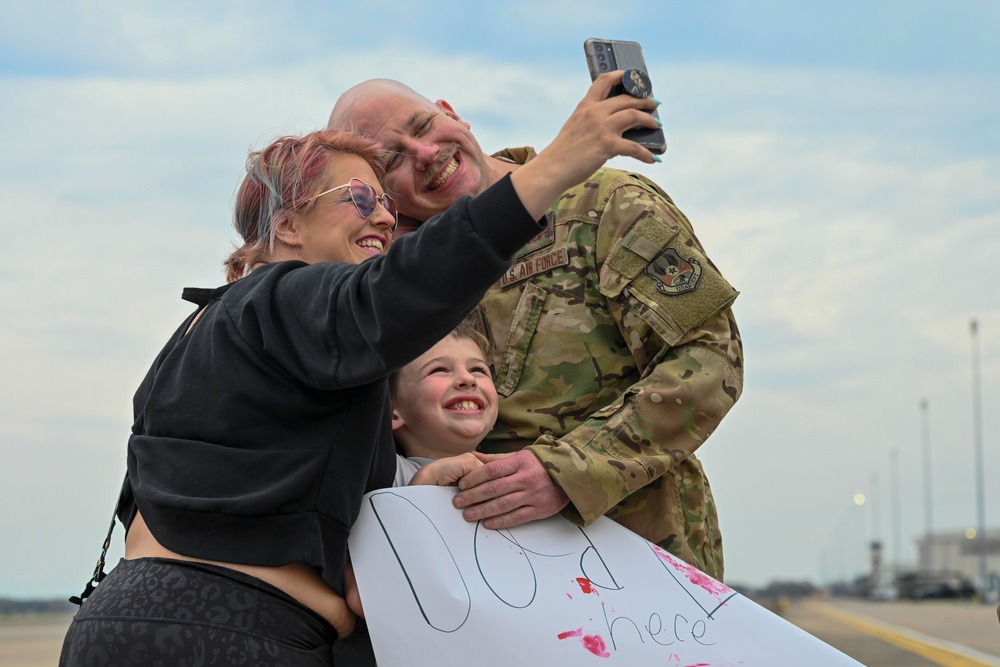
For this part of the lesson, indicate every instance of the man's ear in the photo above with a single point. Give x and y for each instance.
(448, 111)
(286, 230)
(397, 420)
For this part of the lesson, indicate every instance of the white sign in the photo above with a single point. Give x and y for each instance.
(437, 588)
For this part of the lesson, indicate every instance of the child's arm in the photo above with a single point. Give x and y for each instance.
(447, 471)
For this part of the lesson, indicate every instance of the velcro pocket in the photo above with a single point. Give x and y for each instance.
(522, 328)
(634, 252)
(659, 273)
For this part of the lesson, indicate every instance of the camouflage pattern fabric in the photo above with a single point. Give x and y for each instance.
(617, 355)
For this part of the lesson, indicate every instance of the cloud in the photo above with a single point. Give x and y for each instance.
(857, 212)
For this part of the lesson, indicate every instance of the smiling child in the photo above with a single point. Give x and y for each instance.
(443, 402)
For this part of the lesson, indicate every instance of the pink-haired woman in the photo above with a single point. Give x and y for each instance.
(265, 418)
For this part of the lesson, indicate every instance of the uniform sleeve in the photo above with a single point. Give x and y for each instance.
(673, 310)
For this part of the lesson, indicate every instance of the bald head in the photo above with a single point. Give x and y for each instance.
(351, 112)
(432, 157)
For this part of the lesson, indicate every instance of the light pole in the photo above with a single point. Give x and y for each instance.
(876, 522)
(859, 500)
(894, 490)
(876, 541)
(928, 505)
(977, 432)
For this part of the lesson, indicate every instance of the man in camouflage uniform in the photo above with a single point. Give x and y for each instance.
(617, 353)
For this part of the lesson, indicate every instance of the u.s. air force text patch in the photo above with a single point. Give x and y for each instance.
(534, 265)
(673, 275)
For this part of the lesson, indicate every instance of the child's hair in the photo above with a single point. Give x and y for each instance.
(470, 328)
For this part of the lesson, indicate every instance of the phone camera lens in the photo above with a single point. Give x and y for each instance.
(599, 47)
(604, 66)
(600, 56)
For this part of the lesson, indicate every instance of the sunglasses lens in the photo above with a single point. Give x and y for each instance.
(390, 206)
(363, 196)
(365, 200)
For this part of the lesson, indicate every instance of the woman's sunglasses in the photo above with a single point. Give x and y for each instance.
(365, 200)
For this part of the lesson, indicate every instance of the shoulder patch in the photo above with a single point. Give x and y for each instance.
(673, 274)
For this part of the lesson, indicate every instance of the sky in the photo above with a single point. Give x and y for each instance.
(840, 163)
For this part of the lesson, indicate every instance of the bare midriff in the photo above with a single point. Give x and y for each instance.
(299, 580)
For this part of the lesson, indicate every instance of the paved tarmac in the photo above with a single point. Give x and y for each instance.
(876, 634)
(904, 634)
(32, 640)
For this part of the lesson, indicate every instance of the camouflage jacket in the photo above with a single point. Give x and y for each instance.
(617, 355)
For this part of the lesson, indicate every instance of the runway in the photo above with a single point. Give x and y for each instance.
(904, 634)
(877, 634)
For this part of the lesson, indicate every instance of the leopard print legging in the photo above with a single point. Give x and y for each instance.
(154, 611)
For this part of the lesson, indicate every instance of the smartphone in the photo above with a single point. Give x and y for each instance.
(607, 55)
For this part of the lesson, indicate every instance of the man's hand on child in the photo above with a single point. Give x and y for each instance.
(510, 489)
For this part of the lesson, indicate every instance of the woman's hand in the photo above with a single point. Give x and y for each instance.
(351, 593)
(447, 471)
(590, 137)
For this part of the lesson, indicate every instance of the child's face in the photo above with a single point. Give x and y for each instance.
(445, 400)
